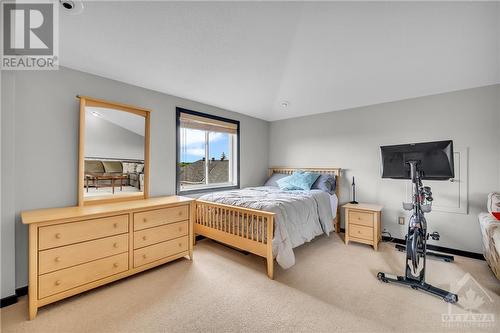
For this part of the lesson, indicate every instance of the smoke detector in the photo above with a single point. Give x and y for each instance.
(73, 7)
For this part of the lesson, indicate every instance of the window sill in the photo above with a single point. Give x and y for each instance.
(208, 190)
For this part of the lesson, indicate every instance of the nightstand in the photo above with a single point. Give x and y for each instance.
(362, 223)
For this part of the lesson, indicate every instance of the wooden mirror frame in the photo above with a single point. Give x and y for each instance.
(94, 102)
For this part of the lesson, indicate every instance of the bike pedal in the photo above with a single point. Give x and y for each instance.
(435, 236)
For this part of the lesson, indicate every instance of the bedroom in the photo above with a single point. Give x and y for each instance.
(292, 86)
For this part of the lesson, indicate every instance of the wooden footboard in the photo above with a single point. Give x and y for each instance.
(246, 229)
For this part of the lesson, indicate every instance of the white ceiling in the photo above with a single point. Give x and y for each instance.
(126, 120)
(249, 57)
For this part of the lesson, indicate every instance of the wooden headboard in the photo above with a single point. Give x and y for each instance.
(289, 171)
(335, 171)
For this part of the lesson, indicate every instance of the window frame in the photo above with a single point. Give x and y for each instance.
(203, 188)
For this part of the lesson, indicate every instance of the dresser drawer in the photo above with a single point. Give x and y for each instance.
(361, 218)
(65, 279)
(160, 234)
(362, 232)
(158, 217)
(69, 233)
(71, 255)
(159, 251)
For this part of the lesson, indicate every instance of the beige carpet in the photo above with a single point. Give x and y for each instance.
(331, 288)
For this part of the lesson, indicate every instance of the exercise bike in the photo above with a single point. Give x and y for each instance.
(416, 240)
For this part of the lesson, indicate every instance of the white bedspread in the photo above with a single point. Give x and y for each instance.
(300, 215)
(334, 201)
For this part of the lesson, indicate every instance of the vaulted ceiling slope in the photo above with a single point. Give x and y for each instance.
(249, 57)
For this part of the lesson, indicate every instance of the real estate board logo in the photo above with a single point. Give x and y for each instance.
(475, 308)
(30, 35)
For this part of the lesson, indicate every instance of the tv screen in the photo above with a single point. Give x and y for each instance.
(435, 160)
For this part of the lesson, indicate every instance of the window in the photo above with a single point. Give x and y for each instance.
(207, 152)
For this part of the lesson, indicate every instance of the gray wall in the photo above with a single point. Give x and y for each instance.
(350, 139)
(39, 141)
(7, 210)
(103, 139)
(40, 162)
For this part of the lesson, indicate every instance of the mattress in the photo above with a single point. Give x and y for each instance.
(300, 216)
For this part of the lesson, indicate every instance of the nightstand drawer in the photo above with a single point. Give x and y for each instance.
(359, 231)
(361, 218)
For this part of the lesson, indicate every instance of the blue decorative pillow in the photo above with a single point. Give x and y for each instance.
(272, 181)
(325, 182)
(299, 180)
(285, 185)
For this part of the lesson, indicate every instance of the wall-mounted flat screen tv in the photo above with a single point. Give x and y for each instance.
(435, 160)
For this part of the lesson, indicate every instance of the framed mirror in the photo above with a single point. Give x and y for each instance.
(113, 152)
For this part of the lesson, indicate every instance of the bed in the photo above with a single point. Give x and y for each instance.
(244, 218)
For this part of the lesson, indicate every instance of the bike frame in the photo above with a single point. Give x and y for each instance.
(417, 224)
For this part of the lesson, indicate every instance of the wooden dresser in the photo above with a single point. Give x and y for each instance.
(75, 249)
(362, 223)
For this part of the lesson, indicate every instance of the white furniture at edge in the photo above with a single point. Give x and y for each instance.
(490, 230)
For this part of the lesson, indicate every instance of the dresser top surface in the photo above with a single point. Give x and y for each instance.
(53, 214)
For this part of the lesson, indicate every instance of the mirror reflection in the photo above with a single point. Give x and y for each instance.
(113, 152)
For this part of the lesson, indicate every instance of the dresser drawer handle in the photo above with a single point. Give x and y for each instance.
(115, 265)
(115, 245)
(57, 259)
(180, 228)
(57, 283)
(144, 220)
(180, 213)
(359, 231)
(115, 225)
(144, 237)
(58, 236)
(180, 244)
(143, 256)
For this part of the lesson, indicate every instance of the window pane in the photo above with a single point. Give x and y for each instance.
(192, 157)
(207, 152)
(220, 152)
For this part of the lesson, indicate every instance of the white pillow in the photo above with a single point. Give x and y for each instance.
(128, 167)
(493, 202)
(139, 168)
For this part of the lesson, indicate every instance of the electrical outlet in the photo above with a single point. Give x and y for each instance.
(401, 220)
